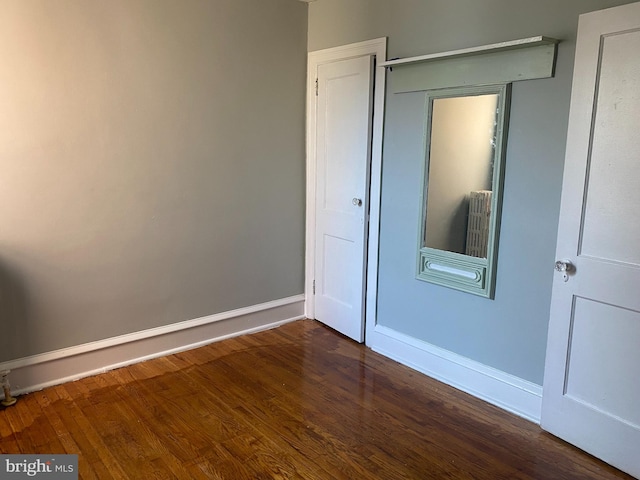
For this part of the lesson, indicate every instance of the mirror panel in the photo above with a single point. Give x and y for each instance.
(466, 131)
(462, 147)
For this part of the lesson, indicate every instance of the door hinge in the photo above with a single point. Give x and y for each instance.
(314, 287)
(316, 87)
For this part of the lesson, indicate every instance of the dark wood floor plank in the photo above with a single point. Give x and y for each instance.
(367, 417)
(296, 402)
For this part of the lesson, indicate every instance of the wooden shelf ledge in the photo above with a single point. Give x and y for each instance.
(495, 47)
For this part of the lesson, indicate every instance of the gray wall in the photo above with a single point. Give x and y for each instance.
(508, 333)
(151, 164)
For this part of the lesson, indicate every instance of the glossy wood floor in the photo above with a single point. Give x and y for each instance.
(299, 401)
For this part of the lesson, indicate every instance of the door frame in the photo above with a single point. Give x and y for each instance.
(377, 48)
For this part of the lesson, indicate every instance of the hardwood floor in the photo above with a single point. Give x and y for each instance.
(299, 401)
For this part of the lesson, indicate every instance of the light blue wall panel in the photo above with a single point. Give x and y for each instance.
(508, 333)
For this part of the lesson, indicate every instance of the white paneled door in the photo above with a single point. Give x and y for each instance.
(592, 375)
(343, 151)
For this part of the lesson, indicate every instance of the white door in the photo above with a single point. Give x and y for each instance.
(343, 148)
(592, 375)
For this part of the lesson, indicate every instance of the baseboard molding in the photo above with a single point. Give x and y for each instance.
(506, 391)
(36, 372)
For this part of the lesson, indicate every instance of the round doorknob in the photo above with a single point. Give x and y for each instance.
(565, 267)
(357, 202)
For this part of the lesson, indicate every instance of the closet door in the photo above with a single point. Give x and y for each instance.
(591, 387)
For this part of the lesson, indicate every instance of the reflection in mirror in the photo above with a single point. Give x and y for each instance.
(462, 148)
(462, 192)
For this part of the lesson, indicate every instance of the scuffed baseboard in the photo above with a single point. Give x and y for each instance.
(36, 372)
(506, 391)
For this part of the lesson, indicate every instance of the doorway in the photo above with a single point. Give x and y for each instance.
(341, 268)
(591, 389)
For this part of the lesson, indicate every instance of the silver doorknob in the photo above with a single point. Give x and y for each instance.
(357, 202)
(565, 267)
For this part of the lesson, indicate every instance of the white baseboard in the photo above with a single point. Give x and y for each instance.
(506, 391)
(36, 372)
